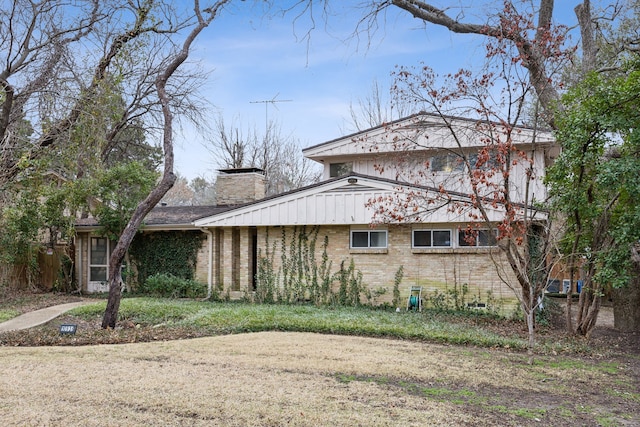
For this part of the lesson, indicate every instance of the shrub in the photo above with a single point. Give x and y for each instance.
(169, 286)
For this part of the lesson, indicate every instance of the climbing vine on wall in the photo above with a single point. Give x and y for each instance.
(299, 270)
(302, 277)
(266, 276)
(168, 252)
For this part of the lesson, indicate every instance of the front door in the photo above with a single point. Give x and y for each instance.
(99, 251)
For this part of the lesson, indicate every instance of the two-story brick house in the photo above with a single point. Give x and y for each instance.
(417, 153)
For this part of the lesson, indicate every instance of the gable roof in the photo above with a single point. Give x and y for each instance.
(338, 201)
(420, 131)
(164, 217)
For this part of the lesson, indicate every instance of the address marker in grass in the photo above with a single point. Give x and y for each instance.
(68, 329)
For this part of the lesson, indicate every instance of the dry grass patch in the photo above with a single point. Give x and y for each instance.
(298, 379)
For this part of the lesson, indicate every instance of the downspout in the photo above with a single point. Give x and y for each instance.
(78, 263)
(210, 266)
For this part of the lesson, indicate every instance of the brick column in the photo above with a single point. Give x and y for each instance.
(243, 265)
(226, 262)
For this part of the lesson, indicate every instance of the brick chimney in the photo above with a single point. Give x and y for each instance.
(240, 185)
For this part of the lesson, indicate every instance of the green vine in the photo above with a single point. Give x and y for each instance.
(299, 268)
(266, 277)
(350, 280)
(302, 277)
(168, 252)
(324, 278)
(396, 286)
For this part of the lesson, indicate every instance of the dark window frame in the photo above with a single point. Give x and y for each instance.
(368, 233)
(432, 239)
(482, 239)
(340, 169)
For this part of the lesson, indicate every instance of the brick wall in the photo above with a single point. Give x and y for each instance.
(237, 188)
(439, 270)
(202, 262)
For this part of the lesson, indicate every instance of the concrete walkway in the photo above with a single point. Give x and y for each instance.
(38, 317)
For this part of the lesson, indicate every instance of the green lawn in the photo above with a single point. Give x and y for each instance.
(224, 318)
(8, 313)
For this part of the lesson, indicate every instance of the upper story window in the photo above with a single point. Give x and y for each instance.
(446, 163)
(477, 238)
(490, 163)
(374, 239)
(431, 238)
(455, 163)
(340, 169)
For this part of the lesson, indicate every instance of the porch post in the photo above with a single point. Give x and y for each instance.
(226, 263)
(209, 234)
(244, 264)
(78, 260)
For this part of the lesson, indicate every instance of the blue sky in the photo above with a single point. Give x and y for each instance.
(252, 58)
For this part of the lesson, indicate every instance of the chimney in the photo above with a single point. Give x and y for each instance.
(240, 185)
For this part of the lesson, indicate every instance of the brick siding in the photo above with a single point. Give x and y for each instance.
(439, 270)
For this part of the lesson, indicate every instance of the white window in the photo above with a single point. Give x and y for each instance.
(455, 163)
(340, 169)
(447, 163)
(374, 239)
(490, 163)
(99, 259)
(431, 238)
(477, 238)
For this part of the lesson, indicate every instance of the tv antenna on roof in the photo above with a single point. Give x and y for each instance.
(266, 103)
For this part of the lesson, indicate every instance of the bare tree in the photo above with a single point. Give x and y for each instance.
(494, 187)
(181, 194)
(39, 40)
(86, 64)
(200, 191)
(203, 191)
(202, 18)
(292, 171)
(279, 155)
(230, 145)
(380, 106)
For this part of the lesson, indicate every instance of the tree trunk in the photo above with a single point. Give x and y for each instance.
(569, 309)
(626, 305)
(531, 316)
(117, 256)
(168, 177)
(115, 291)
(589, 307)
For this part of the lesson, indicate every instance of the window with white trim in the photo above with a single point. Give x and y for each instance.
(99, 259)
(368, 239)
(477, 238)
(451, 162)
(340, 169)
(490, 163)
(447, 163)
(431, 238)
